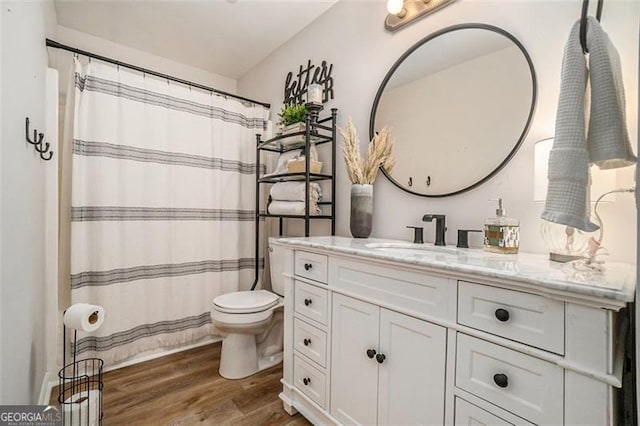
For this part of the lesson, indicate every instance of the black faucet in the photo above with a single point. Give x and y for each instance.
(440, 226)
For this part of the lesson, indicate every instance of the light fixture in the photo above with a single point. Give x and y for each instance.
(566, 243)
(395, 7)
(404, 12)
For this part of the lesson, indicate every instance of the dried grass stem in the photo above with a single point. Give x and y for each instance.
(379, 154)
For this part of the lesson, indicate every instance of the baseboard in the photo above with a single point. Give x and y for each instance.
(48, 382)
(157, 353)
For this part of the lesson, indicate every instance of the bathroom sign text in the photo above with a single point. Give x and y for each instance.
(295, 87)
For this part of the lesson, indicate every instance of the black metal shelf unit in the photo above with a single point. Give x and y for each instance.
(318, 133)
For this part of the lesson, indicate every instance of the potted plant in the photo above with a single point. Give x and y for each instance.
(363, 172)
(292, 118)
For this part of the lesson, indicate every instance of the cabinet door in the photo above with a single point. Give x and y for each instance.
(411, 378)
(354, 376)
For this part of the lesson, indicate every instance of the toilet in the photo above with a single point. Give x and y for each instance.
(251, 324)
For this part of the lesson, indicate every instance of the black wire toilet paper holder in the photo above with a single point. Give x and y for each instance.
(79, 381)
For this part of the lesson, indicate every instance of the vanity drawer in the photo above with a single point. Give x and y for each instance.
(310, 341)
(311, 265)
(398, 289)
(467, 414)
(526, 386)
(311, 302)
(523, 317)
(310, 381)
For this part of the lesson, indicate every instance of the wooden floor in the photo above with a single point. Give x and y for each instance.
(186, 389)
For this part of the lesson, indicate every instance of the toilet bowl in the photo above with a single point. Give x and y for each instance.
(251, 324)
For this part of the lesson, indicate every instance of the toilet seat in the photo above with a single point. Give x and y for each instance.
(245, 302)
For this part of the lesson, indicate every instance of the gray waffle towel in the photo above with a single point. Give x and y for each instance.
(608, 145)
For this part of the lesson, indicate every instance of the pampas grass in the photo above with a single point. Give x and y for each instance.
(379, 154)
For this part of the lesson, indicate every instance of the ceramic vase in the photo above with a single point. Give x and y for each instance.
(361, 210)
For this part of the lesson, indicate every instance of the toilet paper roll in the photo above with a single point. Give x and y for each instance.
(82, 409)
(84, 317)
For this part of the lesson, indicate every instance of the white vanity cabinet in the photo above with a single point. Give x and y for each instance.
(375, 339)
(381, 361)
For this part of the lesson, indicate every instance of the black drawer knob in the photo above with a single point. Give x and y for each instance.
(308, 266)
(502, 315)
(501, 380)
(371, 353)
(306, 342)
(306, 381)
(380, 358)
(307, 302)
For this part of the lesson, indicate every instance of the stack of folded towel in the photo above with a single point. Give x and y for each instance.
(288, 198)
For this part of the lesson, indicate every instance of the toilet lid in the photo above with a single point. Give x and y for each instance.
(245, 301)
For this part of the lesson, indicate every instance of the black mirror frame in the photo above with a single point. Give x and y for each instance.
(405, 55)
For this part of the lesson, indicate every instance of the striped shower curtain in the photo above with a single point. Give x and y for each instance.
(162, 206)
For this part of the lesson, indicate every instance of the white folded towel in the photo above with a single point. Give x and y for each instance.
(296, 154)
(292, 208)
(294, 191)
(608, 144)
(283, 159)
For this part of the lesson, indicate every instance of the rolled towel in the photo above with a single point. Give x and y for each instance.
(292, 208)
(294, 191)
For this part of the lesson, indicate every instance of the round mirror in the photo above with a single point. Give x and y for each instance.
(459, 104)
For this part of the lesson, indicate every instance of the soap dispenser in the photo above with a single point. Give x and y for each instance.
(501, 233)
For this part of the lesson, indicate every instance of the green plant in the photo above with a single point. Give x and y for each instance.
(292, 114)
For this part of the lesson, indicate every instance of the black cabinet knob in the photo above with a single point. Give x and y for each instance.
(306, 342)
(306, 381)
(380, 358)
(502, 315)
(307, 302)
(371, 353)
(308, 266)
(501, 380)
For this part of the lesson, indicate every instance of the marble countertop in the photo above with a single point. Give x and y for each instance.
(616, 283)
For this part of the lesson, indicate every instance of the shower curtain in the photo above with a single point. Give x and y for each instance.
(162, 206)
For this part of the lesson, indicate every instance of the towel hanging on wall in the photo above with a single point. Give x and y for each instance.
(607, 144)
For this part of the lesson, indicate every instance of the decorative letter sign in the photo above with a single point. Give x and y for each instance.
(294, 90)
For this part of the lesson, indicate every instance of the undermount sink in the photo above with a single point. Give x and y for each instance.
(411, 249)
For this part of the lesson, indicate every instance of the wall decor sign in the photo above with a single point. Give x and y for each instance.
(295, 87)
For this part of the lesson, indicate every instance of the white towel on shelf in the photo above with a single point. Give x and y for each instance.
(296, 154)
(283, 159)
(292, 208)
(608, 144)
(294, 191)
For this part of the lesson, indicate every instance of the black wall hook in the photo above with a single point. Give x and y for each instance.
(37, 142)
(583, 22)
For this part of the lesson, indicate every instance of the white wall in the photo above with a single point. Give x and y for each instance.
(352, 37)
(61, 60)
(22, 224)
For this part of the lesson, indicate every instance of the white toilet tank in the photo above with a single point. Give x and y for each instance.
(279, 259)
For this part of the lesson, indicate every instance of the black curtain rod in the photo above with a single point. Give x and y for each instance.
(56, 45)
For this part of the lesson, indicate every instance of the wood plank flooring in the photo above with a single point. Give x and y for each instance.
(185, 389)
